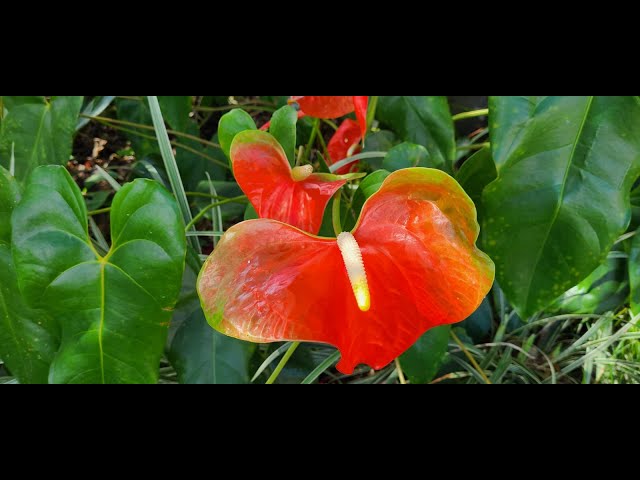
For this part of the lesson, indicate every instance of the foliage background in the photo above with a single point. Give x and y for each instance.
(554, 180)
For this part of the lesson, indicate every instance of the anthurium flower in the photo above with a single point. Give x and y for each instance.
(333, 107)
(296, 196)
(409, 265)
(344, 143)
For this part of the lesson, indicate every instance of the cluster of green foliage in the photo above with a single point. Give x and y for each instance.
(554, 179)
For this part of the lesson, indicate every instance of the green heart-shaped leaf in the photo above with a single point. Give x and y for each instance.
(113, 310)
(28, 337)
(565, 168)
(634, 273)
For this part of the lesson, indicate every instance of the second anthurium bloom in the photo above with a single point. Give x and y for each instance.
(344, 143)
(324, 106)
(295, 196)
(409, 265)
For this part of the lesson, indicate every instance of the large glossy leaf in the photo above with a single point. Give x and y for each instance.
(28, 337)
(421, 362)
(9, 198)
(40, 131)
(422, 120)
(113, 310)
(565, 167)
(634, 273)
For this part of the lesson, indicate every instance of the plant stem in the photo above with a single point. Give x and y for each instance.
(330, 123)
(282, 363)
(403, 381)
(474, 146)
(324, 147)
(371, 113)
(98, 212)
(312, 137)
(202, 213)
(472, 114)
(335, 213)
(470, 357)
(175, 144)
(148, 127)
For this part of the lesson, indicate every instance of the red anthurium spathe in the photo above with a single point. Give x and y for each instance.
(409, 265)
(333, 107)
(295, 196)
(345, 142)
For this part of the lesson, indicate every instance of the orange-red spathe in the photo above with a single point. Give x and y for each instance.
(267, 281)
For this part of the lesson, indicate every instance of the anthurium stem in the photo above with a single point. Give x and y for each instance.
(470, 357)
(282, 363)
(474, 146)
(335, 214)
(472, 114)
(312, 138)
(203, 212)
(371, 113)
(98, 212)
(403, 380)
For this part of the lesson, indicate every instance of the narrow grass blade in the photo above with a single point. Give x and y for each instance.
(171, 166)
(97, 235)
(270, 359)
(93, 109)
(319, 370)
(108, 178)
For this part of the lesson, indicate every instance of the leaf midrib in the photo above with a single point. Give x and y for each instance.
(560, 199)
(38, 135)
